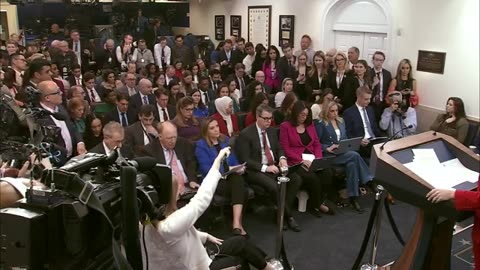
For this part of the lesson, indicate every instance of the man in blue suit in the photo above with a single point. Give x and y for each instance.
(360, 120)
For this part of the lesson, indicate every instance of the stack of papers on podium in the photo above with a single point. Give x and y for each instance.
(445, 175)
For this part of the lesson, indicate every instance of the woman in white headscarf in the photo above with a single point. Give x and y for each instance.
(227, 120)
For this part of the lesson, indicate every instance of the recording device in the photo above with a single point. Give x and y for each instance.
(394, 135)
(76, 223)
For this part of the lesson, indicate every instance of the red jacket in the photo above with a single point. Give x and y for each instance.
(292, 144)
(470, 201)
(223, 126)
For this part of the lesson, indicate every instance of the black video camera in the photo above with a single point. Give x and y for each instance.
(92, 202)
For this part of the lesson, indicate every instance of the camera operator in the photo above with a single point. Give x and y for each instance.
(51, 100)
(175, 244)
(398, 116)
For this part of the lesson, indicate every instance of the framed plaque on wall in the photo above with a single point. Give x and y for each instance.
(219, 27)
(259, 22)
(286, 29)
(236, 26)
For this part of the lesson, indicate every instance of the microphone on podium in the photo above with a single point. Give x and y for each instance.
(395, 134)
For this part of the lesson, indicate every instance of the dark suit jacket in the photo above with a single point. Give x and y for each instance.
(172, 111)
(345, 86)
(228, 69)
(248, 147)
(246, 80)
(75, 136)
(387, 78)
(113, 116)
(65, 60)
(72, 81)
(126, 152)
(135, 103)
(99, 92)
(354, 123)
(327, 135)
(134, 137)
(284, 70)
(211, 105)
(102, 58)
(83, 55)
(183, 150)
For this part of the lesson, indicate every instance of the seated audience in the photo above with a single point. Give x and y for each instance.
(360, 120)
(188, 125)
(264, 163)
(397, 117)
(174, 243)
(300, 143)
(108, 82)
(121, 114)
(208, 147)
(454, 121)
(254, 87)
(176, 152)
(227, 120)
(207, 94)
(175, 93)
(324, 98)
(234, 93)
(92, 95)
(76, 110)
(130, 87)
(152, 71)
(200, 110)
(188, 85)
(287, 87)
(141, 132)
(260, 98)
(405, 83)
(143, 97)
(283, 113)
(331, 130)
(159, 81)
(93, 131)
(163, 110)
(113, 136)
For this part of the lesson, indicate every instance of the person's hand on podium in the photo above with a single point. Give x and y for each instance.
(439, 195)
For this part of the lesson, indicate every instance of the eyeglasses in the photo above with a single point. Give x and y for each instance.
(266, 118)
(54, 93)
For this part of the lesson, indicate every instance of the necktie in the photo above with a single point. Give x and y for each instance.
(378, 96)
(76, 47)
(207, 100)
(92, 96)
(290, 63)
(124, 120)
(165, 116)
(268, 154)
(162, 55)
(242, 85)
(145, 100)
(367, 122)
(78, 81)
(176, 171)
(215, 87)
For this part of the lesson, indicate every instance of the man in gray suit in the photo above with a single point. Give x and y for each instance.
(130, 87)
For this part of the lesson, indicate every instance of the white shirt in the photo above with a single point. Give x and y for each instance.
(107, 150)
(78, 51)
(264, 156)
(361, 110)
(157, 51)
(380, 84)
(202, 94)
(279, 97)
(160, 113)
(146, 140)
(97, 96)
(67, 138)
(241, 90)
(168, 160)
(131, 91)
(248, 61)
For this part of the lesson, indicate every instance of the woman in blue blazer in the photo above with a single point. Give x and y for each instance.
(330, 130)
(206, 150)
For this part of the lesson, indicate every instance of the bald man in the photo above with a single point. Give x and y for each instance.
(143, 97)
(176, 152)
(260, 77)
(69, 139)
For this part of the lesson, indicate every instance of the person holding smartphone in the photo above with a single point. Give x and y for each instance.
(405, 83)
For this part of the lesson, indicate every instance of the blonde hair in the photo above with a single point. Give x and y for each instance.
(326, 109)
(342, 54)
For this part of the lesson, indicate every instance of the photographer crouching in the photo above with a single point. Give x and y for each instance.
(397, 117)
(174, 243)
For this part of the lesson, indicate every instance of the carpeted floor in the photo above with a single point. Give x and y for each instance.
(330, 242)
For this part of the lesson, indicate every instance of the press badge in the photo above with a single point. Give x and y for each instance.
(110, 59)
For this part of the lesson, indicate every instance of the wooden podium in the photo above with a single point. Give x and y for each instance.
(430, 243)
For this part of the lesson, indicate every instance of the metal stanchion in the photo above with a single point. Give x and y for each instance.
(378, 222)
(280, 262)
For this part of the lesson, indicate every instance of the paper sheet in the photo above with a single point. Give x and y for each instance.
(308, 157)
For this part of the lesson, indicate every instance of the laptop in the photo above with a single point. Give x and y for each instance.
(348, 145)
(321, 163)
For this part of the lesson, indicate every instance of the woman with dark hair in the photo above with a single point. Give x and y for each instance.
(317, 76)
(76, 110)
(175, 244)
(152, 71)
(454, 122)
(405, 83)
(108, 82)
(300, 143)
(202, 69)
(253, 89)
(270, 69)
(195, 73)
(214, 54)
(207, 148)
(93, 131)
(362, 78)
(283, 113)
(325, 98)
(188, 85)
(260, 55)
(174, 92)
(200, 110)
(227, 120)
(234, 93)
(260, 98)
(187, 124)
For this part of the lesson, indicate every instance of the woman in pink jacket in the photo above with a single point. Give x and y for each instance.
(300, 143)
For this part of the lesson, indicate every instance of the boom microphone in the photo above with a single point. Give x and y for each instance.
(143, 163)
(395, 134)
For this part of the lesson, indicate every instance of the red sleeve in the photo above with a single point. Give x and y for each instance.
(467, 200)
(317, 147)
(249, 119)
(291, 155)
(235, 123)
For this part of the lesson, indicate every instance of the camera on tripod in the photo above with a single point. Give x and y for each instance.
(91, 203)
